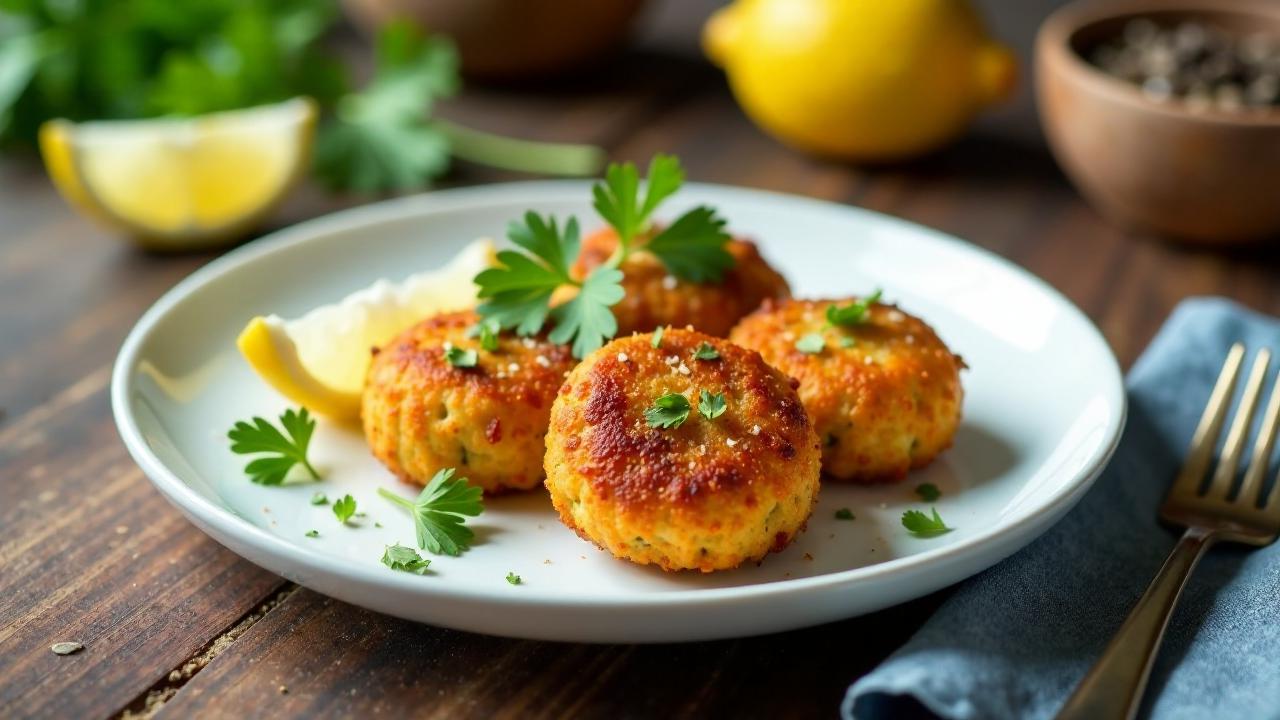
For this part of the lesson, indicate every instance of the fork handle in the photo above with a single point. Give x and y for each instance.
(1113, 688)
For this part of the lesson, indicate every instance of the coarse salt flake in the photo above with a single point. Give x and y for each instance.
(730, 442)
(543, 361)
(755, 429)
(622, 357)
(684, 369)
(669, 282)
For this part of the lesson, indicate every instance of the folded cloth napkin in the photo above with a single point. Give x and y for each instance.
(1014, 641)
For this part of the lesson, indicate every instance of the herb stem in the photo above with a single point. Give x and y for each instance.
(510, 153)
(307, 464)
(405, 502)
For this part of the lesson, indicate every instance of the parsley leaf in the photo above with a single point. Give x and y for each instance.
(439, 510)
(587, 319)
(657, 336)
(312, 533)
(319, 499)
(928, 492)
(668, 411)
(844, 514)
(847, 342)
(711, 405)
(917, 523)
(281, 453)
(855, 313)
(487, 330)
(460, 358)
(513, 578)
(706, 352)
(344, 508)
(811, 344)
(617, 198)
(517, 293)
(692, 247)
(399, 557)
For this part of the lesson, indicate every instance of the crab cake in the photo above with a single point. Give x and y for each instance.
(421, 413)
(701, 494)
(656, 298)
(884, 394)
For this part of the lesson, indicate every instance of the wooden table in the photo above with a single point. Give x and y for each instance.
(173, 622)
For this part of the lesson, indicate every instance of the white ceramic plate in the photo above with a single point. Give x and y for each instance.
(1043, 412)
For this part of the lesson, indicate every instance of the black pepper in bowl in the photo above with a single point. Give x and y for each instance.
(1202, 66)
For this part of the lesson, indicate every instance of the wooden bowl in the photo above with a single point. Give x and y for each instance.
(1204, 176)
(512, 39)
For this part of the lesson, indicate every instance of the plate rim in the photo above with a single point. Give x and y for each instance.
(205, 513)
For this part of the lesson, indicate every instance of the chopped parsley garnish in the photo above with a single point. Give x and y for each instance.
(517, 293)
(399, 557)
(439, 510)
(844, 514)
(513, 578)
(280, 453)
(706, 352)
(928, 492)
(853, 314)
(460, 358)
(487, 330)
(657, 336)
(319, 499)
(711, 405)
(811, 344)
(846, 341)
(917, 523)
(313, 533)
(344, 508)
(668, 411)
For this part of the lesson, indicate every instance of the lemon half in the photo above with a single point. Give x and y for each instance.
(179, 183)
(320, 360)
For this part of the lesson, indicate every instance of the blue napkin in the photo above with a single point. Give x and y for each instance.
(1014, 641)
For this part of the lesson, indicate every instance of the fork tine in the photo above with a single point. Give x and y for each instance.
(1251, 486)
(1205, 438)
(1238, 435)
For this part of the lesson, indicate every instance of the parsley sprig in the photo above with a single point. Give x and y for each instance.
(280, 452)
(692, 248)
(440, 510)
(517, 293)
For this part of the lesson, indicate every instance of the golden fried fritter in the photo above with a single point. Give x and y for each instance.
(422, 414)
(654, 297)
(884, 396)
(709, 494)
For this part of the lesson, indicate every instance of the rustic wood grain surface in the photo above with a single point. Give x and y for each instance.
(90, 553)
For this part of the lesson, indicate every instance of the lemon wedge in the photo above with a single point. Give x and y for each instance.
(180, 183)
(319, 360)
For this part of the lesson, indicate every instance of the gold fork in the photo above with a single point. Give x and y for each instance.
(1113, 688)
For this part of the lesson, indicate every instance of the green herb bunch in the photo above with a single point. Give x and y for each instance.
(125, 59)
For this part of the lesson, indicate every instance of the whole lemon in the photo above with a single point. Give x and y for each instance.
(865, 80)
